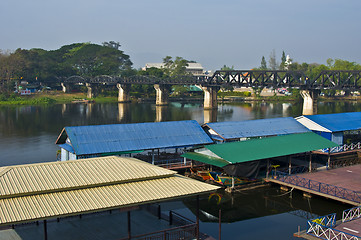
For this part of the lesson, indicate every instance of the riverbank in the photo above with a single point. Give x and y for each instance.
(58, 97)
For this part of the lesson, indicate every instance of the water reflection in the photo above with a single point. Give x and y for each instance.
(20, 124)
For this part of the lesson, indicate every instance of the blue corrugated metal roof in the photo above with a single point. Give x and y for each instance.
(338, 122)
(137, 136)
(257, 128)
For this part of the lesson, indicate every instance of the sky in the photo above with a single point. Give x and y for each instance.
(212, 32)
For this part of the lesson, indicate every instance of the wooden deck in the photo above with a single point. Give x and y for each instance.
(347, 177)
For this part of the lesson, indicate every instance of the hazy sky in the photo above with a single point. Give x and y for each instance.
(211, 32)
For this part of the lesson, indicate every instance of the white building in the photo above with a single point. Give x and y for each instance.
(195, 69)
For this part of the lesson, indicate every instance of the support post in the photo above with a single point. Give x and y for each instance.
(289, 165)
(220, 224)
(123, 94)
(268, 169)
(329, 158)
(170, 217)
(153, 156)
(309, 101)
(129, 227)
(45, 231)
(210, 97)
(159, 212)
(162, 92)
(310, 164)
(197, 220)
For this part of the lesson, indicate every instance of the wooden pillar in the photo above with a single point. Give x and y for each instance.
(159, 212)
(219, 224)
(153, 156)
(45, 231)
(289, 165)
(268, 169)
(329, 158)
(129, 227)
(310, 163)
(197, 221)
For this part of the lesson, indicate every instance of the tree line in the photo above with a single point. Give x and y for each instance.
(82, 59)
(88, 59)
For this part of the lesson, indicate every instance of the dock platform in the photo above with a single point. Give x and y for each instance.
(326, 227)
(341, 184)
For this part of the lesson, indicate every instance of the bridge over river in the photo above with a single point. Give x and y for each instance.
(310, 85)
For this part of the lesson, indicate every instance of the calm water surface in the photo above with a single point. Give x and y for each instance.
(28, 135)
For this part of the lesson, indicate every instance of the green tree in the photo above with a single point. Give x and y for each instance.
(283, 61)
(263, 64)
(175, 68)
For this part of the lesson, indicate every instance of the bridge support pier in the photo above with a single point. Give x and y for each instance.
(124, 90)
(309, 101)
(66, 87)
(91, 90)
(210, 97)
(162, 92)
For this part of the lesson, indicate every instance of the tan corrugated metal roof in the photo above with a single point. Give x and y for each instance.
(44, 177)
(140, 188)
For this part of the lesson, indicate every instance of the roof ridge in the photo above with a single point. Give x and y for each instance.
(5, 170)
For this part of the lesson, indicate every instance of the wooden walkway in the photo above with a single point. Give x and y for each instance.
(345, 181)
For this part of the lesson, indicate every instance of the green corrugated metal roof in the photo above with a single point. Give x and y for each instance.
(219, 162)
(256, 149)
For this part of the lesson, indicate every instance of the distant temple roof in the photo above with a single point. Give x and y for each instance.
(336, 122)
(40, 191)
(117, 138)
(254, 128)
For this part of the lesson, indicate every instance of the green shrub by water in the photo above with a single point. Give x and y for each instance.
(234, 94)
(14, 99)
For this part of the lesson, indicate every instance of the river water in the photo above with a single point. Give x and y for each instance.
(28, 135)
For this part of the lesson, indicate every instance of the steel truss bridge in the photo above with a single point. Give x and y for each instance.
(329, 79)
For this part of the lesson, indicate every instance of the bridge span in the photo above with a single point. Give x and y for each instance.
(310, 84)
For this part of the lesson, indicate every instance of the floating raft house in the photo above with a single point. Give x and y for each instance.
(334, 127)
(244, 158)
(115, 139)
(242, 130)
(69, 188)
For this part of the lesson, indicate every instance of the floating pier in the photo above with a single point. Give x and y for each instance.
(341, 184)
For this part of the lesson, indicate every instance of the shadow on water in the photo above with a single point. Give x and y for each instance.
(251, 213)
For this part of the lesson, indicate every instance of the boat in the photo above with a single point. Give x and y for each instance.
(203, 174)
(226, 181)
(82, 101)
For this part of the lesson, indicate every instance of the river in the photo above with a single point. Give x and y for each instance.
(28, 135)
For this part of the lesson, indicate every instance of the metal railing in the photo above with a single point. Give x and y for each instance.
(183, 232)
(329, 233)
(351, 214)
(322, 227)
(344, 148)
(320, 187)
